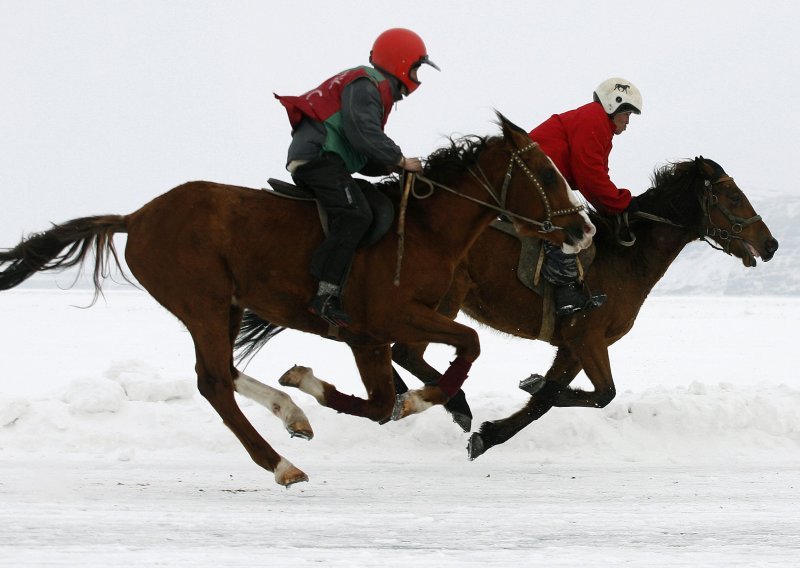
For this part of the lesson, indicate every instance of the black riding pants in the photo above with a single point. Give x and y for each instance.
(559, 268)
(349, 215)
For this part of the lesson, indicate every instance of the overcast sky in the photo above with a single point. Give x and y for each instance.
(105, 105)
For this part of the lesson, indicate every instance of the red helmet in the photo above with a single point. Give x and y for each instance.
(400, 52)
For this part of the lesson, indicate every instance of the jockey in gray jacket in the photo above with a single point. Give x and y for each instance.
(337, 131)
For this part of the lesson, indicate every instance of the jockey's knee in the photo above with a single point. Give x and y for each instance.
(361, 218)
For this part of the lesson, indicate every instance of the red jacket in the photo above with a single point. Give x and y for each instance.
(579, 142)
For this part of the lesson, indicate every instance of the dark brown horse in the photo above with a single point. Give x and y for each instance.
(688, 201)
(208, 251)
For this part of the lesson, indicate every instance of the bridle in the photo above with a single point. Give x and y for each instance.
(546, 226)
(709, 201)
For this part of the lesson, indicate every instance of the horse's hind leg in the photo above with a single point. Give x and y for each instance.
(277, 402)
(215, 374)
(564, 369)
(597, 366)
(375, 367)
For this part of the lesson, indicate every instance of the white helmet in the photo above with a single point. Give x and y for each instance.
(618, 95)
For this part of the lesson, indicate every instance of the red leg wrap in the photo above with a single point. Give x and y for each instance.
(346, 403)
(455, 376)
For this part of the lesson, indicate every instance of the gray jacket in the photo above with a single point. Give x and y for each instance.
(362, 114)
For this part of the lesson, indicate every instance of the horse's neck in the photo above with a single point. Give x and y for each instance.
(657, 249)
(452, 221)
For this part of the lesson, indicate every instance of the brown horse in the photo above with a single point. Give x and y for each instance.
(688, 201)
(208, 251)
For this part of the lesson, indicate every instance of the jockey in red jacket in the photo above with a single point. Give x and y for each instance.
(579, 143)
(337, 130)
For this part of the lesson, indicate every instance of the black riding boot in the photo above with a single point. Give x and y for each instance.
(572, 297)
(329, 308)
(561, 270)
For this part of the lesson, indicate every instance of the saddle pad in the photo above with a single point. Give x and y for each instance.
(529, 271)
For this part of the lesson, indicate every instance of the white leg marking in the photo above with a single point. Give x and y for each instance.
(277, 402)
(286, 474)
(303, 378)
(410, 403)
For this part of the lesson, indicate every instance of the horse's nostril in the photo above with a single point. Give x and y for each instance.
(771, 246)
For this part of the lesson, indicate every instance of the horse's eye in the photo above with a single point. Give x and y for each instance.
(735, 197)
(549, 176)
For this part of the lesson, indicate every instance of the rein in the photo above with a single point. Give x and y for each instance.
(546, 226)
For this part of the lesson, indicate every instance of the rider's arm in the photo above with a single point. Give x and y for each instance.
(362, 116)
(590, 146)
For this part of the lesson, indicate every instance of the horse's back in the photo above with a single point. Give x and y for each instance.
(209, 236)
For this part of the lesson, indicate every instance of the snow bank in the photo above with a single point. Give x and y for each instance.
(135, 411)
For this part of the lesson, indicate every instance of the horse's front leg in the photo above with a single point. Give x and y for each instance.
(440, 329)
(564, 369)
(410, 356)
(375, 367)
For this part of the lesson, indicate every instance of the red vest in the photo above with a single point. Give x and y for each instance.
(326, 100)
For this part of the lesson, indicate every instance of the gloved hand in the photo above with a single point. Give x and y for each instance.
(410, 164)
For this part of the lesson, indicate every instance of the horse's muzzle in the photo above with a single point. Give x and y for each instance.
(770, 247)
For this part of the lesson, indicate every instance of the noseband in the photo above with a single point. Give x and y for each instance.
(546, 226)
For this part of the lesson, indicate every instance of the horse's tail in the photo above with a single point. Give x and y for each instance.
(254, 332)
(62, 247)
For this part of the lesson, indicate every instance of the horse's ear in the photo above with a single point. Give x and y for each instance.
(511, 131)
(698, 163)
(701, 165)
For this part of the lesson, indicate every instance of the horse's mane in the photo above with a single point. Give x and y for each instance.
(674, 195)
(445, 163)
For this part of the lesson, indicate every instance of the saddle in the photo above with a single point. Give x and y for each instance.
(382, 207)
(529, 272)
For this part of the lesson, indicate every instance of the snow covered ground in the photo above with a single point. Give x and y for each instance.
(108, 456)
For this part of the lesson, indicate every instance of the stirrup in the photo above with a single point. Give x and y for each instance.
(596, 300)
(532, 384)
(325, 306)
(593, 301)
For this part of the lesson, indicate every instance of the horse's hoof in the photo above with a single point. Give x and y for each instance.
(401, 405)
(294, 376)
(532, 384)
(300, 430)
(412, 402)
(297, 478)
(475, 446)
(459, 410)
(286, 474)
(463, 421)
